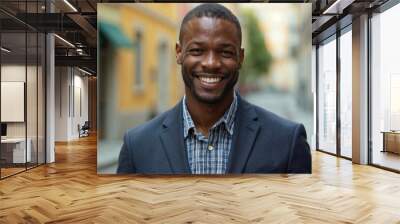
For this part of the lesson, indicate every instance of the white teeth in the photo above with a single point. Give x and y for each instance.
(210, 80)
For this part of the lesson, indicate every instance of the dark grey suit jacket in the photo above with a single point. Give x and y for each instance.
(262, 143)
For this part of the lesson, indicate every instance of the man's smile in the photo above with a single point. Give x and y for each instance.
(209, 81)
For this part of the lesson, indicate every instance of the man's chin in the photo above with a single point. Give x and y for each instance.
(208, 99)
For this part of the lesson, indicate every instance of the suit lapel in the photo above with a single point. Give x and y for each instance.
(245, 134)
(171, 138)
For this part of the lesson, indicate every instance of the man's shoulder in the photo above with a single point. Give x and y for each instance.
(270, 119)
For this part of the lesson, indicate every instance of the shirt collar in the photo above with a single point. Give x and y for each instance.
(228, 119)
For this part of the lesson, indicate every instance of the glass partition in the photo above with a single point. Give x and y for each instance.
(41, 153)
(327, 96)
(31, 100)
(385, 89)
(346, 93)
(14, 153)
(22, 77)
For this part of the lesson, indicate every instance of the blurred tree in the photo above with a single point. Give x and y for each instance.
(257, 57)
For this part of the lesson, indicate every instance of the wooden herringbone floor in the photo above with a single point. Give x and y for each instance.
(70, 191)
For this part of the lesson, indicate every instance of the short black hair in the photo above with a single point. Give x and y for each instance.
(212, 10)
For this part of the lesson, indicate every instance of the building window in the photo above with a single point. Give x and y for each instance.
(138, 76)
(327, 96)
(346, 94)
(385, 89)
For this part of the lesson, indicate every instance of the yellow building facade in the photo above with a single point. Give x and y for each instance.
(147, 75)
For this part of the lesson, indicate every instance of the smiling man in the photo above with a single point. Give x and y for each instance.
(213, 130)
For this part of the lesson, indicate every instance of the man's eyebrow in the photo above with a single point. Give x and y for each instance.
(195, 42)
(227, 45)
(220, 45)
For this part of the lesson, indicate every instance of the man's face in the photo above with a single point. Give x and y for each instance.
(210, 56)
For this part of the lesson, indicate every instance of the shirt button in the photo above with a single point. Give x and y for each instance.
(210, 147)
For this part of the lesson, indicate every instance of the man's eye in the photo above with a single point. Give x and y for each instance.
(195, 51)
(227, 54)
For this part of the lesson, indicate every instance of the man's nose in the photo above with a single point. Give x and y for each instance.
(211, 61)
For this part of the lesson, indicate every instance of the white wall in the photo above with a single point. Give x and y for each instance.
(33, 126)
(13, 73)
(62, 81)
(71, 93)
(12, 101)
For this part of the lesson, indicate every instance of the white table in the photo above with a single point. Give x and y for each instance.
(18, 149)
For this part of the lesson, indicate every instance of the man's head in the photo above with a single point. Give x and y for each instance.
(211, 10)
(210, 53)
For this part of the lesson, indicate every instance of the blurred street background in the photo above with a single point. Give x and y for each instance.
(139, 78)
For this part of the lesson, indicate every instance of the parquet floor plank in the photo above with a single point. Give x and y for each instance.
(70, 191)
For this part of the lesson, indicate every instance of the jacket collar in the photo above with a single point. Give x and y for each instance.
(245, 132)
(244, 136)
(172, 140)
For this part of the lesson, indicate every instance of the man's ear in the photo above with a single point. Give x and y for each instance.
(241, 57)
(178, 50)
